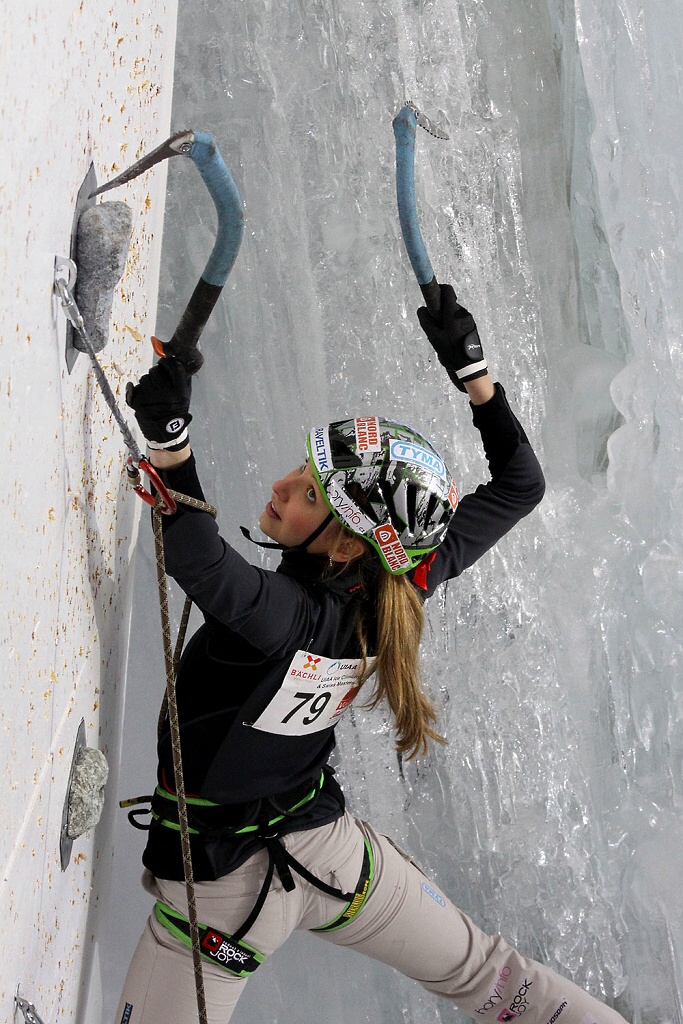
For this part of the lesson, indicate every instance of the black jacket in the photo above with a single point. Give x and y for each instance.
(256, 621)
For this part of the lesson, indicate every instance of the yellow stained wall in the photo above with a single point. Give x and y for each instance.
(80, 82)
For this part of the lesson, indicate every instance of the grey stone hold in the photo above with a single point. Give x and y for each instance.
(86, 793)
(102, 242)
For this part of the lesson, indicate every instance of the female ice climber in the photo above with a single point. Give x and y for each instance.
(369, 526)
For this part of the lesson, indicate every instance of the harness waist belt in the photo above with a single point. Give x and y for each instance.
(220, 821)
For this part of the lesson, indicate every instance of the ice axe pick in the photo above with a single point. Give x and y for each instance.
(201, 148)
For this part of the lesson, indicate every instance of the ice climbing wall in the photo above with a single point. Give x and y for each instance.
(554, 814)
(80, 83)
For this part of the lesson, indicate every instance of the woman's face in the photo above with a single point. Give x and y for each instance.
(294, 511)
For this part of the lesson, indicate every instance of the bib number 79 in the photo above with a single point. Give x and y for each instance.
(331, 686)
(318, 701)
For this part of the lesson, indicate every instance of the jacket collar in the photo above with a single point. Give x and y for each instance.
(312, 569)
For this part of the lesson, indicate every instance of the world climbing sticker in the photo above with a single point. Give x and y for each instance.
(314, 695)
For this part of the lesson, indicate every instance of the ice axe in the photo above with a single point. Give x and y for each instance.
(405, 123)
(202, 150)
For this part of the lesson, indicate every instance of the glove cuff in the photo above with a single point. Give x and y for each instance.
(472, 371)
(174, 445)
(467, 373)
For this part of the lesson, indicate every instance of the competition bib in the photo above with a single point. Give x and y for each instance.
(313, 696)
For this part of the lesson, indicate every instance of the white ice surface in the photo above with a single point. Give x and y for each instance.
(554, 813)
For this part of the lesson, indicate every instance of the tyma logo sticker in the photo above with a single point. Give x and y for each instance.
(405, 451)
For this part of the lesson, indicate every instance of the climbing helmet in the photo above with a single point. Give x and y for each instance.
(385, 482)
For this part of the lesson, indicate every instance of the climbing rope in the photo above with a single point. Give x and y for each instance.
(170, 707)
(64, 278)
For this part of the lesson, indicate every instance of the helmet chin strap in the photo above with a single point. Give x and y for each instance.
(297, 547)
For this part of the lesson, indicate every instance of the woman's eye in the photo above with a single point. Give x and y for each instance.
(310, 494)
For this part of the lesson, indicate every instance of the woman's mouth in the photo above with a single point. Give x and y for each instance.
(270, 511)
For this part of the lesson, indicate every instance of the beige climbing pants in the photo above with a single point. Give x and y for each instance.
(407, 922)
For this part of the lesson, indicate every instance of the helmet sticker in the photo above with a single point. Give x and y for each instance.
(391, 547)
(320, 449)
(404, 451)
(347, 510)
(453, 496)
(368, 437)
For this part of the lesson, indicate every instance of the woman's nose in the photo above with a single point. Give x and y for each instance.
(281, 488)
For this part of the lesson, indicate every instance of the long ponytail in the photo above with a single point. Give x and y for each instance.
(400, 620)
(390, 618)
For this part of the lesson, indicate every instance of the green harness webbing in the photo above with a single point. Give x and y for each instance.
(230, 951)
(238, 957)
(208, 819)
(213, 820)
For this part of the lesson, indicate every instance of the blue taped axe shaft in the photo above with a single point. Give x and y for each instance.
(223, 191)
(404, 125)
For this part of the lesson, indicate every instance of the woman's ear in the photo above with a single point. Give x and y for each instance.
(348, 547)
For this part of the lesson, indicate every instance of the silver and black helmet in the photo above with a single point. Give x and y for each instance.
(387, 483)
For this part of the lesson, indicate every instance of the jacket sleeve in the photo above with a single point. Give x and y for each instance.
(486, 515)
(270, 610)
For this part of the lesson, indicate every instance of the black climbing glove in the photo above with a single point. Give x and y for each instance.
(161, 402)
(454, 338)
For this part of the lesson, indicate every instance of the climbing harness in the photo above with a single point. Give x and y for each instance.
(234, 955)
(230, 951)
(219, 821)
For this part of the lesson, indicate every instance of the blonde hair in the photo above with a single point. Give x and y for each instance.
(399, 615)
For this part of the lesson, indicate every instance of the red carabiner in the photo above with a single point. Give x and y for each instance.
(169, 506)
